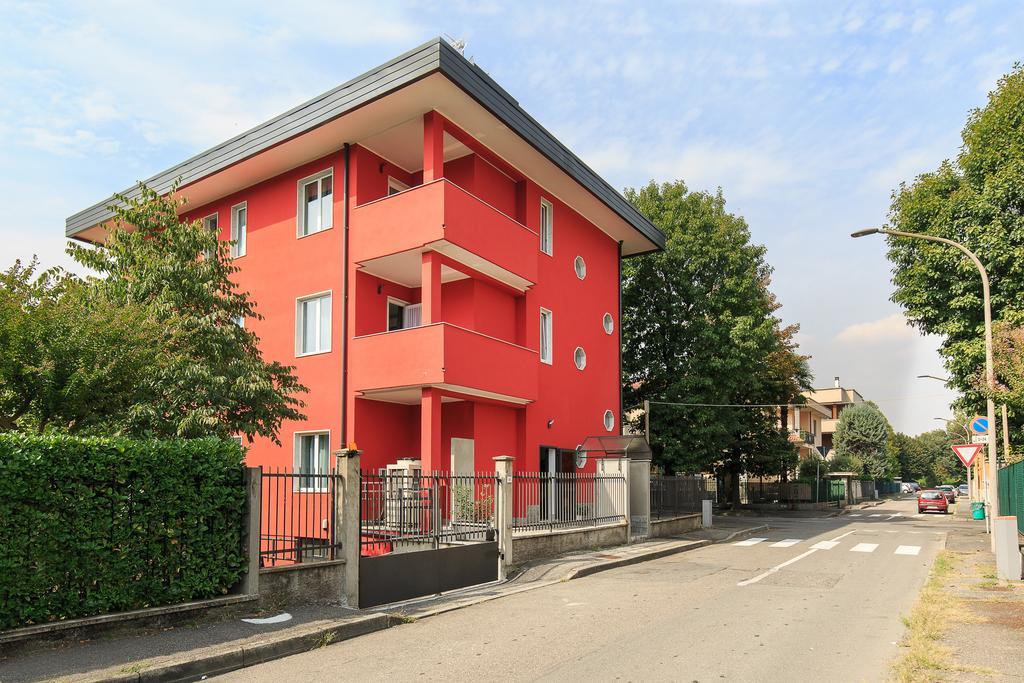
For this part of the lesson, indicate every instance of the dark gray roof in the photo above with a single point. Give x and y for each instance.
(435, 55)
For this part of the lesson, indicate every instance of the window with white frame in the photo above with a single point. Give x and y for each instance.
(239, 222)
(395, 186)
(580, 266)
(313, 325)
(608, 323)
(210, 224)
(546, 335)
(312, 461)
(609, 420)
(547, 227)
(403, 315)
(316, 203)
(579, 357)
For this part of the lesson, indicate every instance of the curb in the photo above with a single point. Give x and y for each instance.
(230, 658)
(636, 559)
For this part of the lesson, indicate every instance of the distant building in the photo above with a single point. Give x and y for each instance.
(805, 423)
(834, 399)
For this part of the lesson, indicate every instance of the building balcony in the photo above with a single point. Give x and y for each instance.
(393, 365)
(388, 235)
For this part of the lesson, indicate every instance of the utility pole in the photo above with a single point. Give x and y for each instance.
(990, 375)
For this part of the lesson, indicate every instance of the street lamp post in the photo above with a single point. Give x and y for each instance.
(990, 375)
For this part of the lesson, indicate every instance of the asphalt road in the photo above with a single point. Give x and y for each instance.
(817, 599)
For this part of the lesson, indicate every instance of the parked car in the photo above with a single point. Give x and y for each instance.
(962, 490)
(905, 487)
(934, 500)
(949, 491)
(913, 486)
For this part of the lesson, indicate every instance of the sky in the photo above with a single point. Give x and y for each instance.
(807, 115)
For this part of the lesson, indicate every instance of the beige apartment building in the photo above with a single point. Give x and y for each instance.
(805, 423)
(833, 399)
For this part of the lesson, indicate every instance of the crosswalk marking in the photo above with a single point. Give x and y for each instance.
(825, 545)
(787, 543)
(864, 548)
(750, 541)
(908, 550)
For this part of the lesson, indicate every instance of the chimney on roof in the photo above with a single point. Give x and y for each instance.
(836, 382)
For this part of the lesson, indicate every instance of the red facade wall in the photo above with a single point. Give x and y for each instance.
(279, 267)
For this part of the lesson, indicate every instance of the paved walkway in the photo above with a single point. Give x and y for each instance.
(198, 649)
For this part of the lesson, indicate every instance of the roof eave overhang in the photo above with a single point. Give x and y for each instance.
(431, 57)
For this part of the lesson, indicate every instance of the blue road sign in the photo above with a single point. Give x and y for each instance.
(979, 425)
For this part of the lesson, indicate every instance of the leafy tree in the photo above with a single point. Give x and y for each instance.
(862, 433)
(148, 346)
(978, 200)
(699, 327)
(943, 465)
(70, 359)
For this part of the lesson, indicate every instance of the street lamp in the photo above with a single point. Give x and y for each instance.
(990, 375)
(941, 379)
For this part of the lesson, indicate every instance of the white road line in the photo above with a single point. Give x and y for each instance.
(842, 536)
(878, 514)
(750, 541)
(908, 550)
(894, 516)
(864, 548)
(855, 515)
(776, 568)
(788, 543)
(825, 545)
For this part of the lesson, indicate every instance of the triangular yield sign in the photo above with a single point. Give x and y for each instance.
(967, 452)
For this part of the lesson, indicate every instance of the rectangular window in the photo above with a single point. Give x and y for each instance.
(316, 205)
(395, 186)
(313, 325)
(546, 336)
(312, 461)
(402, 315)
(210, 224)
(239, 222)
(547, 226)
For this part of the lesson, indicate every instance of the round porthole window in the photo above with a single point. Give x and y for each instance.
(609, 324)
(580, 357)
(580, 267)
(609, 420)
(581, 457)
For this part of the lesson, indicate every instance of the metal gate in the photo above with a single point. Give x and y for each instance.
(423, 534)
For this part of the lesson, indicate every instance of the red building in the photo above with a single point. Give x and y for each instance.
(443, 273)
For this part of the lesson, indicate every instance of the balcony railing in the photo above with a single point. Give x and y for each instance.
(448, 219)
(444, 354)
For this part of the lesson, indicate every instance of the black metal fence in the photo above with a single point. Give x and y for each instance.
(671, 496)
(298, 514)
(566, 500)
(402, 510)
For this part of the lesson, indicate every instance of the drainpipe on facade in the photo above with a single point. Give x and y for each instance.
(344, 300)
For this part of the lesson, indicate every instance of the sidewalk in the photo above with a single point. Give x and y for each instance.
(202, 649)
(981, 632)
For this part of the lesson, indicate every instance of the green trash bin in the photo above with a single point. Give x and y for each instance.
(977, 510)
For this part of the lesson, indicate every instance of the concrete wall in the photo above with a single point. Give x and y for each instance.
(674, 525)
(309, 582)
(538, 545)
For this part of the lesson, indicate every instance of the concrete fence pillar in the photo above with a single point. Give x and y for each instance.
(503, 512)
(348, 468)
(250, 584)
(639, 497)
(1008, 558)
(705, 513)
(613, 500)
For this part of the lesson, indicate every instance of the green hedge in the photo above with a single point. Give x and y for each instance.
(96, 525)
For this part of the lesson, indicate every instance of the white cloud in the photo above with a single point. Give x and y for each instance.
(960, 14)
(885, 330)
